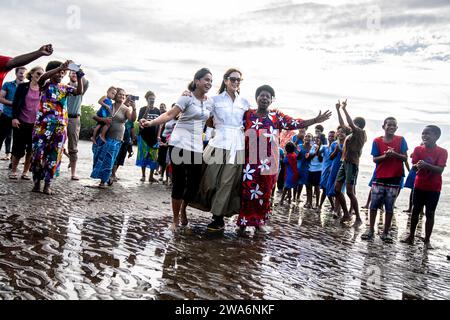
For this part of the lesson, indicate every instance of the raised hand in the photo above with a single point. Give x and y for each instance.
(65, 65)
(46, 50)
(344, 104)
(338, 104)
(323, 117)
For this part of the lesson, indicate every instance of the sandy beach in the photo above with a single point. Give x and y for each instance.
(87, 243)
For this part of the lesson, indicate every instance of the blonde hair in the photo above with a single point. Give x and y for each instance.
(30, 73)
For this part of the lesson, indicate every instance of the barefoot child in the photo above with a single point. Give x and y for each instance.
(348, 172)
(303, 165)
(105, 111)
(315, 156)
(326, 170)
(429, 162)
(290, 171)
(335, 157)
(389, 154)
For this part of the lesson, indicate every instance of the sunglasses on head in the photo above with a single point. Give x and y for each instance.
(234, 79)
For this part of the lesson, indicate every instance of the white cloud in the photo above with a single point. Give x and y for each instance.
(311, 52)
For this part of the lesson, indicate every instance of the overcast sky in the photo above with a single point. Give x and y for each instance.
(387, 57)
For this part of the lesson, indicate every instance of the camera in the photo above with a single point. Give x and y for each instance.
(133, 98)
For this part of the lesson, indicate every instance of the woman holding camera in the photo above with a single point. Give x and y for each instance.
(105, 153)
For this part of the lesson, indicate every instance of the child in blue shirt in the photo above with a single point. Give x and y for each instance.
(105, 111)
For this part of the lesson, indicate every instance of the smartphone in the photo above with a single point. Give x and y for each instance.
(134, 98)
(74, 67)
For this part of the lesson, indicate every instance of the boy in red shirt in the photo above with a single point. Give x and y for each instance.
(429, 161)
(389, 154)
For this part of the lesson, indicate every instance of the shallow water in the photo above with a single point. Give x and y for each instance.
(86, 243)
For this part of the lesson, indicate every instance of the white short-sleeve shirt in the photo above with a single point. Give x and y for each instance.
(188, 131)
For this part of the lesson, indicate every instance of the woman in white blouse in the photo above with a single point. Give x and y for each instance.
(186, 145)
(224, 155)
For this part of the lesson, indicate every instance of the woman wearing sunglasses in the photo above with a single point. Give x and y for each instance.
(25, 107)
(219, 190)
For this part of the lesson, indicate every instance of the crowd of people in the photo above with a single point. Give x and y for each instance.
(222, 155)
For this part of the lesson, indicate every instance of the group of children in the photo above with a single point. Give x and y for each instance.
(332, 164)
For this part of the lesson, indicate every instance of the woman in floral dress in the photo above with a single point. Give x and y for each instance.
(261, 156)
(49, 133)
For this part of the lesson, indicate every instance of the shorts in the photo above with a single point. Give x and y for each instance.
(383, 194)
(429, 199)
(314, 178)
(348, 173)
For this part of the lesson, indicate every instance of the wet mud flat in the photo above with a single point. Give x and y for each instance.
(88, 243)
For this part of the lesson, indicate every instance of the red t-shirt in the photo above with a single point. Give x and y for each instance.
(392, 167)
(3, 61)
(425, 179)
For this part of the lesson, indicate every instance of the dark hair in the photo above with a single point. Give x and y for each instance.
(332, 131)
(52, 65)
(389, 119)
(198, 75)
(360, 122)
(267, 88)
(435, 129)
(346, 129)
(20, 68)
(319, 127)
(117, 92)
(290, 147)
(223, 86)
(149, 93)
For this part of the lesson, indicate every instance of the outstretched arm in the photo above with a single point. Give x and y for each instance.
(289, 123)
(169, 115)
(25, 59)
(51, 73)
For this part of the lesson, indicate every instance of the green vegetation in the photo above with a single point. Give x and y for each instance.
(88, 124)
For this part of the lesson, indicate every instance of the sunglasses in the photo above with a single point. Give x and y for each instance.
(233, 79)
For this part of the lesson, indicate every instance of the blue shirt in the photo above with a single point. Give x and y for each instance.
(10, 89)
(326, 163)
(315, 165)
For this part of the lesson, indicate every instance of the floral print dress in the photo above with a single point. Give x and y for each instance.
(49, 133)
(261, 163)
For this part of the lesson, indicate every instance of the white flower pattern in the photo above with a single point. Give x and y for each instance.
(256, 193)
(256, 124)
(265, 165)
(271, 134)
(248, 171)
